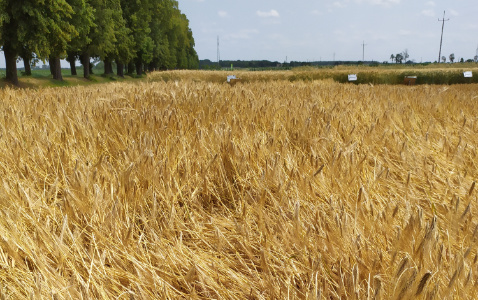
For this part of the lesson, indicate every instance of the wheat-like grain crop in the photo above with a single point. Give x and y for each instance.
(266, 190)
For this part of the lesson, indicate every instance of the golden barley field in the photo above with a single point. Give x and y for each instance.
(189, 189)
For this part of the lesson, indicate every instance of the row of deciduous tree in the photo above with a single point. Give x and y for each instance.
(138, 35)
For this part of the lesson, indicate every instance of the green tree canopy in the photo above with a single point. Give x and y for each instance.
(42, 26)
(145, 34)
(83, 20)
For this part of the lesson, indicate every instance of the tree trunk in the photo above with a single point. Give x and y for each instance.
(10, 64)
(28, 67)
(152, 67)
(91, 68)
(73, 68)
(108, 66)
(130, 68)
(51, 61)
(55, 66)
(72, 60)
(85, 61)
(139, 68)
(120, 69)
(58, 75)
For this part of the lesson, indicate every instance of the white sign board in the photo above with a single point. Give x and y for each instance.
(352, 77)
(468, 74)
(229, 77)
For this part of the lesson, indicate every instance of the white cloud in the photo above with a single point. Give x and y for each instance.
(268, 14)
(316, 12)
(339, 4)
(471, 26)
(222, 14)
(338, 32)
(379, 2)
(430, 3)
(454, 12)
(276, 36)
(243, 34)
(428, 12)
(404, 32)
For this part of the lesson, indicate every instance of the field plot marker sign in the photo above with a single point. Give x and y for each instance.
(468, 74)
(410, 80)
(232, 79)
(352, 77)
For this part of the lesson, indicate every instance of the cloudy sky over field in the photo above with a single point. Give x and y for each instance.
(317, 30)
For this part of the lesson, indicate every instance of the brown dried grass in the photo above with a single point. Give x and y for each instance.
(262, 190)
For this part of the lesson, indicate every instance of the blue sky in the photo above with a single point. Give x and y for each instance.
(317, 30)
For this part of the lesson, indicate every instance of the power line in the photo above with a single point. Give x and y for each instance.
(441, 39)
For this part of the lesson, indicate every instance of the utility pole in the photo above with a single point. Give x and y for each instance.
(441, 39)
(363, 51)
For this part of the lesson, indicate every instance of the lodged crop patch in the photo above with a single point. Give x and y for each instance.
(278, 189)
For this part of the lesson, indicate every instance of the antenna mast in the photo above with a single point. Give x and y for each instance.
(441, 39)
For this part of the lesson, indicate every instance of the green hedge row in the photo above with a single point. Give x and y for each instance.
(428, 77)
(363, 77)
